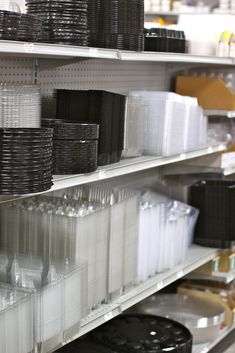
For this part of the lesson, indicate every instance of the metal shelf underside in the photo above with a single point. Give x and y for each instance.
(224, 277)
(124, 167)
(52, 51)
(197, 256)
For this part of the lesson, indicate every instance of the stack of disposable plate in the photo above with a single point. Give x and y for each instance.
(26, 161)
(20, 106)
(111, 25)
(201, 316)
(65, 21)
(143, 333)
(16, 26)
(16, 307)
(75, 146)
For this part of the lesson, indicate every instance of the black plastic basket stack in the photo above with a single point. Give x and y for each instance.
(136, 333)
(165, 40)
(117, 24)
(25, 161)
(103, 108)
(65, 21)
(215, 200)
(22, 27)
(75, 146)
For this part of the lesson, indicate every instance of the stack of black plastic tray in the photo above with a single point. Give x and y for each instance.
(117, 24)
(103, 108)
(165, 40)
(215, 200)
(75, 146)
(25, 161)
(65, 21)
(136, 333)
(22, 27)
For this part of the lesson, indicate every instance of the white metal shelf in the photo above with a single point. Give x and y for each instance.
(225, 277)
(124, 167)
(183, 169)
(197, 256)
(173, 13)
(52, 51)
(223, 113)
(205, 348)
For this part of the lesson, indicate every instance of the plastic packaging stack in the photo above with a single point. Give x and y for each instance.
(216, 224)
(103, 108)
(16, 320)
(135, 126)
(165, 234)
(165, 40)
(20, 106)
(112, 26)
(135, 332)
(59, 289)
(172, 122)
(66, 228)
(64, 22)
(26, 160)
(75, 146)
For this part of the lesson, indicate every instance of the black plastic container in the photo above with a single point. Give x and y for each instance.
(25, 160)
(75, 146)
(216, 224)
(165, 40)
(103, 108)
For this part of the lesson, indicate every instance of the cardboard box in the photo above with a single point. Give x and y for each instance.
(211, 92)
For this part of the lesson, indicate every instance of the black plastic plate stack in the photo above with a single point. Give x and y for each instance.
(65, 21)
(103, 108)
(25, 161)
(117, 24)
(22, 27)
(136, 333)
(75, 146)
(215, 200)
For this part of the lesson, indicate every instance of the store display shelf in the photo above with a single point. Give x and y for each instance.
(173, 13)
(223, 113)
(183, 169)
(52, 51)
(225, 277)
(205, 348)
(196, 257)
(124, 167)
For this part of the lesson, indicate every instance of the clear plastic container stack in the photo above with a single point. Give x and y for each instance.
(16, 320)
(175, 124)
(20, 106)
(59, 289)
(135, 126)
(165, 234)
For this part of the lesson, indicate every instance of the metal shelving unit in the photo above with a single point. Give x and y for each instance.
(124, 167)
(183, 169)
(51, 51)
(205, 348)
(223, 113)
(225, 277)
(197, 256)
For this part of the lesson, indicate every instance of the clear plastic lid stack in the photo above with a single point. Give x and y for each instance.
(174, 124)
(20, 106)
(135, 126)
(60, 289)
(16, 320)
(165, 234)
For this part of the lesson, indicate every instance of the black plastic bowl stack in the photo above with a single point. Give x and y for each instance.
(75, 146)
(25, 160)
(215, 200)
(136, 333)
(65, 21)
(103, 108)
(117, 24)
(165, 40)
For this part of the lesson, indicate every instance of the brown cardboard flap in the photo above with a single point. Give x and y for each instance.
(211, 92)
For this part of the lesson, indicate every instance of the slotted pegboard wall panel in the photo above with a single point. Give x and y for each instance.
(119, 77)
(101, 74)
(17, 70)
